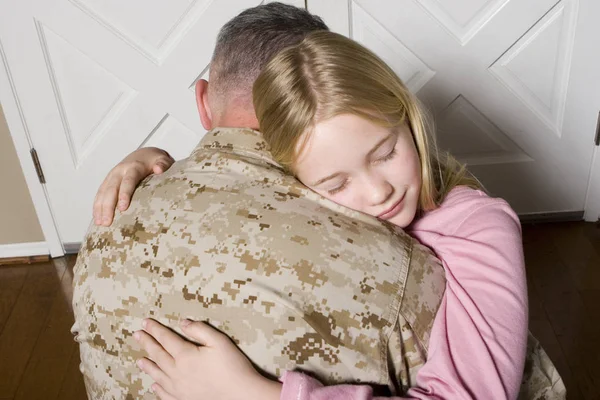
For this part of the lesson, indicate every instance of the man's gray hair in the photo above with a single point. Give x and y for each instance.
(248, 41)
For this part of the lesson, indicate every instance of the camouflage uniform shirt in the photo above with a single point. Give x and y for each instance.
(295, 280)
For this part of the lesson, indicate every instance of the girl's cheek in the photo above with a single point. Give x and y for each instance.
(411, 163)
(346, 199)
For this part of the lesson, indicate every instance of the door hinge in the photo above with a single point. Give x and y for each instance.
(597, 138)
(38, 166)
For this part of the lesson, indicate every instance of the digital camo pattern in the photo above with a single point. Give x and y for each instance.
(297, 281)
(541, 380)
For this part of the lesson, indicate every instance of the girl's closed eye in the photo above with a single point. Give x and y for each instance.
(388, 156)
(344, 184)
(339, 188)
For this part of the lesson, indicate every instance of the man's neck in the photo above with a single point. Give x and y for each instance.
(236, 114)
(235, 120)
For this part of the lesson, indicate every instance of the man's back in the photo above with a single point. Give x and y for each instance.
(296, 281)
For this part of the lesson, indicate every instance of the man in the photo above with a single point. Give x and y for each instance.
(225, 236)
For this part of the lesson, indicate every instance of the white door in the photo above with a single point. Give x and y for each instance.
(92, 80)
(514, 86)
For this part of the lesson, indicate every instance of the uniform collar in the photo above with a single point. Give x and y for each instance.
(243, 141)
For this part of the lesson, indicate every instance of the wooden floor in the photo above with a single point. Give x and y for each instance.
(39, 359)
(38, 356)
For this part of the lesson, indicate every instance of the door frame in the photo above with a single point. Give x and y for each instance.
(592, 202)
(17, 125)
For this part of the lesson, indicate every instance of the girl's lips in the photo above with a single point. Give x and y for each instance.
(395, 209)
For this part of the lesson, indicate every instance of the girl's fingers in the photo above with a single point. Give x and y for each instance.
(97, 213)
(162, 165)
(202, 333)
(161, 392)
(102, 197)
(108, 199)
(155, 351)
(157, 374)
(128, 185)
(169, 340)
(158, 168)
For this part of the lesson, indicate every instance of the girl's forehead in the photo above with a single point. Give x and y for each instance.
(343, 132)
(339, 142)
(348, 125)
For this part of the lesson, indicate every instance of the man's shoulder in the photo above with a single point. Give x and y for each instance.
(222, 194)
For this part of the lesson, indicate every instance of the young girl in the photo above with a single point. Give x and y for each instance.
(341, 120)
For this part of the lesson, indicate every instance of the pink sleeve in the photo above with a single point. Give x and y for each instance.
(298, 386)
(478, 340)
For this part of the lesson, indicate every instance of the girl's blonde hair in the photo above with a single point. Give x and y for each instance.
(327, 75)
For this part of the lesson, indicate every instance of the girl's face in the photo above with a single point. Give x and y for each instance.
(363, 166)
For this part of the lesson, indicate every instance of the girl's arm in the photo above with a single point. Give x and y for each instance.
(121, 181)
(479, 338)
(214, 368)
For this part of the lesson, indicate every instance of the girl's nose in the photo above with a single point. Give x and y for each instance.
(380, 191)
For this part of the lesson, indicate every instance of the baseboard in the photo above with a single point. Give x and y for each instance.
(24, 249)
(564, 216)
(72, 248)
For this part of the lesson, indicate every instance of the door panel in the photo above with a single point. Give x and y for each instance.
(96, 79)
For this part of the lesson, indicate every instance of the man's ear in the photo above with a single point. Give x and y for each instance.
(203, 105)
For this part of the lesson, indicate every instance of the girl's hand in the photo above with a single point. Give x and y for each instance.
(215, 370)
(121, 181)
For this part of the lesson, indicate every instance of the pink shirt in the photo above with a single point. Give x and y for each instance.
(478, 340)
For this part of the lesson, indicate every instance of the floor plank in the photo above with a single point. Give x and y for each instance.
(49, 364)
(23, 328)
(563, 267)
(11, 283)
(73, 387)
